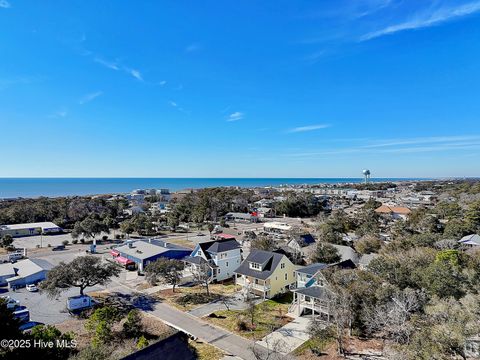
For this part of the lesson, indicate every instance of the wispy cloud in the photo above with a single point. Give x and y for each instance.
(115, 65)
(136, 74)
(176, 106)
(162, 83)
(5, 4)
(109, 64)
(237, 115)
(89, 97)
(427, 19)
(19, 80)
(173, 103)
(63, 112)
(399, 146)
(308, 128)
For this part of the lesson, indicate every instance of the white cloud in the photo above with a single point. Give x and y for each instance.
(59, 114)
(308, 128)
(89, 97)
(109, 64)
(5, 4)
(427, 19)
(162, 83)
(173, 103)
(136, 74)
(237, 115)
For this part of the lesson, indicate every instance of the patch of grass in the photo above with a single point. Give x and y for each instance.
(206, 351)
(186, 298)
(182, 242)
(269, 316)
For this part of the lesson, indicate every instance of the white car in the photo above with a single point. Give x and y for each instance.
(32, 287)
(10, 302)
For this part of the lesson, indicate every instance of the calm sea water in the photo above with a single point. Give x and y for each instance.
(51, 187)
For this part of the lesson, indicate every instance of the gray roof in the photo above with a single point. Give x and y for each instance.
(268, 259)
(143, 249)
(347, 253)
(318, 292)
(312, 268)
(197, 260)
(221, 245)
(24, 268)
(473, 239)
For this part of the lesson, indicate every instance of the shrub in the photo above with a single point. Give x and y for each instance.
(49, 245)
(133, 325)
(74, 241)
(65, 242)
(82, 241)
(242, 325)
(118, 236)
(104, 237)
(142, 342)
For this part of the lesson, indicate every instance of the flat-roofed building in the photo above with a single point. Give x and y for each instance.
(30, 229)
(143, 252)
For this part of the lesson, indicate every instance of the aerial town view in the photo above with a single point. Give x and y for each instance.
(239, 180)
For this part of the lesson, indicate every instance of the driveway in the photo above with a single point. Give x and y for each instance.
(287, 338)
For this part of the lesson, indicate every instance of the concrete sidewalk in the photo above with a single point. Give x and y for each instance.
(287, 338)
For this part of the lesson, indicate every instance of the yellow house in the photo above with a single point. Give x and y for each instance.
(265, 273)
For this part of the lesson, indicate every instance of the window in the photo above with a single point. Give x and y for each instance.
(255, 266)
(286, 276)
(282, 266)
(226, 263)
(199, 252)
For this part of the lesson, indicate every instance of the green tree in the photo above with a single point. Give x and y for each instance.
(50, 334)
(82, 272)
(472, 215)
(211, 227)
(133, 325)
(168, 271)
(6, 240)
(326, 253)
(100, 325)
(368, 245)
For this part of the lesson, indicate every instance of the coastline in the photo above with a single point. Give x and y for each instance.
(11, 188)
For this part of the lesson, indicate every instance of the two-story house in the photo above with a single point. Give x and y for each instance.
(265, 273)
(222, 256)
(311, 294)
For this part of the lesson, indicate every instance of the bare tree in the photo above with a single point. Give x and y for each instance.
(202, 274)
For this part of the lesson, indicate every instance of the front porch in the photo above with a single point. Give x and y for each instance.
(308, 305)
(253, 285)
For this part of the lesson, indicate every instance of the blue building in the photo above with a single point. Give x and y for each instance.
(142, 252)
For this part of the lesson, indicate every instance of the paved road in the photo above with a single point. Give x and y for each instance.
(225, 340)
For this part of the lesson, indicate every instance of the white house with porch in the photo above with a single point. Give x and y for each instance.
(311, 295)
(222, 256)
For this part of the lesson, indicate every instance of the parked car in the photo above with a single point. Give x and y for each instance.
(32, 287)
(58, 247)
(11, 302)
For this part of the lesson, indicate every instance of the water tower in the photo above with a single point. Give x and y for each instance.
(366, 175)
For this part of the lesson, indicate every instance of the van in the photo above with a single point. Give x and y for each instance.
(15, 256)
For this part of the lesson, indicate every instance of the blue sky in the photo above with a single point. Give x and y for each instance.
(239, 88)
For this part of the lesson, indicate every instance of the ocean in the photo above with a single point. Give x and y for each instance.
(54, 187)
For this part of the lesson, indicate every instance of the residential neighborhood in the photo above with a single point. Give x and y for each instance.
(263, 285)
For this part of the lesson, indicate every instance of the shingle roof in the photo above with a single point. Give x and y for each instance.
(346, 252)
(318, 292)
(312, 268)
(216, 246)
(268, 259)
